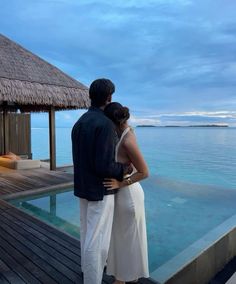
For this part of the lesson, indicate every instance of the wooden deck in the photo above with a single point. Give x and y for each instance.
(32, 251)
(18, 181)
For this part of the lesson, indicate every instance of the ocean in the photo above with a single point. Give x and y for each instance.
(201, 155)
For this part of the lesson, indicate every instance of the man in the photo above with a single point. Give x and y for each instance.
(93, 147)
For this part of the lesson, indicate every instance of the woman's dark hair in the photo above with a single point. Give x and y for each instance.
(117, 113)
(100, 90)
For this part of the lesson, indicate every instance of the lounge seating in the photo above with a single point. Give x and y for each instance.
(19, 164)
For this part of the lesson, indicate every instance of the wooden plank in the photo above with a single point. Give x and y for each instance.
(1, 211)
(11, 184)
(1, 133)
(28, 181)
(4, 205)
(59, 237)
(72, 253)
(7, 275)
(24, 180)
(55, 177)
(4, 187)
(28, 130)
(3, 280)
(52, 138)
(18, 183)
(36, 257)
(5, 131)
(48, 245)
(19, 132)
(12, 246)
(48, 178)
(46, 253)
(7, 256)
(44, 228)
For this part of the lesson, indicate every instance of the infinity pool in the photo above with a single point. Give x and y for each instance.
(177, 213)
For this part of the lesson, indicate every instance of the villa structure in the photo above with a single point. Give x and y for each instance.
(30, 84)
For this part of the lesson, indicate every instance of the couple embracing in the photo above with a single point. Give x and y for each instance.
(107, 167)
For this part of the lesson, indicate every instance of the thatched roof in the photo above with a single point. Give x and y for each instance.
(33, 84)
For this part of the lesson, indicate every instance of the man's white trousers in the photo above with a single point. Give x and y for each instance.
(96, 219)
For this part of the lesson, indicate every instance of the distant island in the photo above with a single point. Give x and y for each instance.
(203, 125)
(209, 125)
(146, 125)
(174, 126)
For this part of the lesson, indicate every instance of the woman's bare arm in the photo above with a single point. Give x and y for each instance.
(132, 151)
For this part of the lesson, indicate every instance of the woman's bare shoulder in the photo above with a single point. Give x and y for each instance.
(129, 139)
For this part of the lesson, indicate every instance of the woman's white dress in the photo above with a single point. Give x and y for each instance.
(128, 257)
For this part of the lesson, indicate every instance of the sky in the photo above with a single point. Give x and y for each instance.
(173, 61)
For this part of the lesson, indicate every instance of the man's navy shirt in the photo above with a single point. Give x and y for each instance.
(93, 148)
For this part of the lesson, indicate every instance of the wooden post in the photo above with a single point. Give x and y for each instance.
(52, 138)
(5, 131)
(53, 205)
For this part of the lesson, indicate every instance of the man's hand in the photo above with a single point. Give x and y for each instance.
(111, 183)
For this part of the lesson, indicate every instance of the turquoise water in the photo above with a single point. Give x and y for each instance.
(199, 155)
(191, 189)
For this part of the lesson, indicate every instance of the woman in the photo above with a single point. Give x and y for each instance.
(128, 259)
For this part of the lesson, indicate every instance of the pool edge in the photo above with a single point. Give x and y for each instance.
(201, 261)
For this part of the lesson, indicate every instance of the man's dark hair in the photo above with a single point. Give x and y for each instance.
(100, 90)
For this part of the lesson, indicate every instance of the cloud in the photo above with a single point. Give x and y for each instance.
(163, 55)
(134, 121)
(196, 118)
(217, 114)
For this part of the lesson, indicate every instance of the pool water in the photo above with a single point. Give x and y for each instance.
(177, 213)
